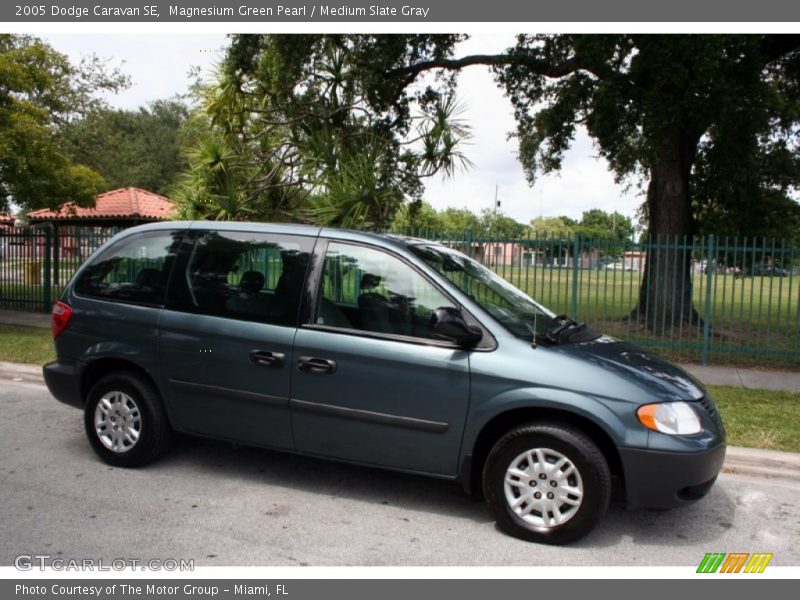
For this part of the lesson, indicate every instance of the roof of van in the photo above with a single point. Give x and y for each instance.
(389, 239)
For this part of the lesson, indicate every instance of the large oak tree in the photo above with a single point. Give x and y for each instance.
(717, 115)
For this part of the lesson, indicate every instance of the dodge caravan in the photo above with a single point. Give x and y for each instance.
(377, 350)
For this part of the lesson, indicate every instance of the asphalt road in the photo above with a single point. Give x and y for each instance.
(222, 505)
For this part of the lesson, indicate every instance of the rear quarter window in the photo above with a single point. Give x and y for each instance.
(135, 269)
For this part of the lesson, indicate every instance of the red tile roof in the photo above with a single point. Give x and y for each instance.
(7, 219)
(124, 203)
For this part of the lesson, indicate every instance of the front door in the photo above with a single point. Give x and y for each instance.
(371, 382)
(226, 336)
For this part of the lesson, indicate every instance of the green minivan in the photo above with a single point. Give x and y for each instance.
(378, 350)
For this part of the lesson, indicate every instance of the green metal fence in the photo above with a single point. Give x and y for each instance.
(37, 262)
(711, 299)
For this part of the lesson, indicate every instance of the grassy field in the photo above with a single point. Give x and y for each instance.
(26, 344)
(754, 320)
(613, 294)
(760, 418)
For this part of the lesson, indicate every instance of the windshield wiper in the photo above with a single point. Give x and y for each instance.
(554, 334)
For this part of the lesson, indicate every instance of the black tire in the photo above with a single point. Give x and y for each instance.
(154, 431)
(577, 448)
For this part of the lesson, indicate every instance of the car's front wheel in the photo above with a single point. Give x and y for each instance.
(125, 421)
(547, 482)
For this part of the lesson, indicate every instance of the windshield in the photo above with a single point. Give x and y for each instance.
(514, 309)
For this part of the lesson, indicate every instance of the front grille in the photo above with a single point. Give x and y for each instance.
(711, 409)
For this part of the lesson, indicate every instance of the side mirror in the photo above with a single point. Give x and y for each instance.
(449, 323)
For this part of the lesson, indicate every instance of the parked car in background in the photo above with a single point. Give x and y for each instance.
(378, 350)
(619, 265)
(770, 271)
(761, 271)
(604, 261)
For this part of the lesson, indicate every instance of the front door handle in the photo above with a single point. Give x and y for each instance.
(316, 366)
(265, 358)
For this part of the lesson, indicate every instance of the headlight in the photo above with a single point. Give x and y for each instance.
(673, 418)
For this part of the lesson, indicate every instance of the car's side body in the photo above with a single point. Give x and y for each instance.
(401, 402)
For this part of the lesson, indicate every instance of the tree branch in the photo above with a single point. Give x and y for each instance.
(541, 67)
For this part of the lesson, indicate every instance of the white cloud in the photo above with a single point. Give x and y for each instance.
(584, 182)
(158, 64)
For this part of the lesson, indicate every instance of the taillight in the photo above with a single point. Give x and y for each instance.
(59, 318)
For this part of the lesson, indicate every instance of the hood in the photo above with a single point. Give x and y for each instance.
(654, 375)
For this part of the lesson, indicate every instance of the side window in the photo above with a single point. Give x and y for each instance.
(246, 276)
(134, 270)
(370, 290)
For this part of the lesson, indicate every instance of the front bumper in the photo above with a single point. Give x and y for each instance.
(63, 382)
(658, 479)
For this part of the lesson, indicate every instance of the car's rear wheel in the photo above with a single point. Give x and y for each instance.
(547, 482)
(125, 421)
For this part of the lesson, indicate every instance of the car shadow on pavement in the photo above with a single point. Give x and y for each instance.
(698, 523)
(324, 477)
(703, 521)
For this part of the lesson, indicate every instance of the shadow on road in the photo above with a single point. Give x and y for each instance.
(701, 522)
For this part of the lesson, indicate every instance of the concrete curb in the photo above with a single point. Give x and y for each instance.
(20, 373)
(768, 464)
(748, 462)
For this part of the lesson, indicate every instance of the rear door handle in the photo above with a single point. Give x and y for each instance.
(265, 358)
(316, 366)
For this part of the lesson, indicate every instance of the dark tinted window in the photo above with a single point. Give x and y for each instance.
(134, 270)
(371, 290)
(247, 276)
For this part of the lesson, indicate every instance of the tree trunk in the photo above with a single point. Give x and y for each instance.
(665, 294)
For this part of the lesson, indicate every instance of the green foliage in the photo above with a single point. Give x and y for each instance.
(597, 224)
(218, 184)
(417, 215)
(318, 132)
(552, 227)
(422, 216)
(130, 148)
(501, 225)
(460, 219)
(721, 111)
(355, 194)
(40, 92)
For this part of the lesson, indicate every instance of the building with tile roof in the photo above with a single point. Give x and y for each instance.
(122, 208)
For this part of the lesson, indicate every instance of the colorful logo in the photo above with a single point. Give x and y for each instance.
(735, 562)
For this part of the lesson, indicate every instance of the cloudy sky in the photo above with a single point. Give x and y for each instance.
(159, 63)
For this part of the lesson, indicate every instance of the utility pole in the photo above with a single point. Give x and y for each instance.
(541, 200)
(496, 201)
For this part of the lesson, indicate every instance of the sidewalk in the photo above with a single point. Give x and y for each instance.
(26, 319)
(747, 378)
